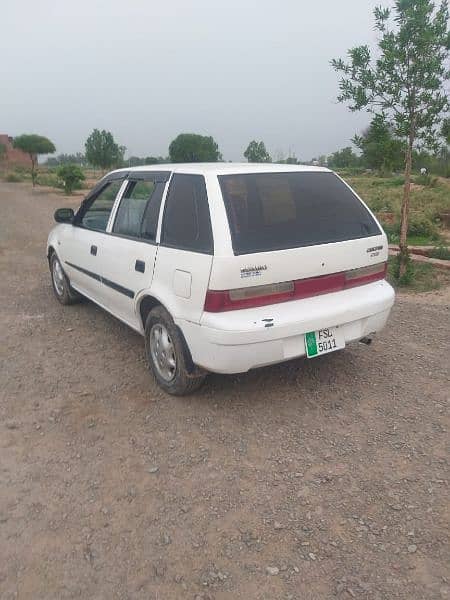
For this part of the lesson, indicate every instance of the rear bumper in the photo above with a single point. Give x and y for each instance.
(237, 341)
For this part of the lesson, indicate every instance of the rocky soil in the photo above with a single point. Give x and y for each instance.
(309, 480)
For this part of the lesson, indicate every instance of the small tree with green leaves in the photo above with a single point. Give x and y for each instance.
(102, 151)
(191, 147)
(342, 159)
(2, 152)
(256, 152)
(405, 83)
(71, 177)
(34, 145)
(445, 131)
(381, 150)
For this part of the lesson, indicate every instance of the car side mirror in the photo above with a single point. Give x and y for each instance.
(64, 215)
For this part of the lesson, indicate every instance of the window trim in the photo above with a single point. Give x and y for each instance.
(90, 199)
(129, 181)
(157, 176)
(241, 252)
(163, 215)
(110, 229)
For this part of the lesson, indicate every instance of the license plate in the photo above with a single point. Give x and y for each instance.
(323, 341)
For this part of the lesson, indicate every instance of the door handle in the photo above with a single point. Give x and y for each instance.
(139, 265)
(94, 250)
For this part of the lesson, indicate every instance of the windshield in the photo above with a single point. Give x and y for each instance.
(275, 211)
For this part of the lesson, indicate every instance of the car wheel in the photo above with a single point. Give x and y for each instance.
(61, 286)
(166, 355)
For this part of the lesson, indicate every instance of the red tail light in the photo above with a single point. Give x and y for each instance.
(262, 295)
(365, 275)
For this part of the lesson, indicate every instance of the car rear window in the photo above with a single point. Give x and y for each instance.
(275, 211)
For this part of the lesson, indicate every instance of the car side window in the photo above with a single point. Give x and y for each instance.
(97, 214)
(132, 206)
(151, 215)
(187, 223)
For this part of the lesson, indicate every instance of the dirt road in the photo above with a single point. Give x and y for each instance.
(309, 480)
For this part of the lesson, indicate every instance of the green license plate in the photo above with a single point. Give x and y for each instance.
(323, 341)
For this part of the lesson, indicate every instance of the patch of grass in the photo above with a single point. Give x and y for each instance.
(422, 232)
(13, 178)
(421, 240)
(420, 277)
(426, 180)
(387, 182)
(378, 192)
(440, 252)
(380, 203)
(49, 179)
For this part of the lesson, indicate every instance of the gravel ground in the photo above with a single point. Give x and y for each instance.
(308, 480)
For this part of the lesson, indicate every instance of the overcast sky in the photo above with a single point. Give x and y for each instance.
(237, 70)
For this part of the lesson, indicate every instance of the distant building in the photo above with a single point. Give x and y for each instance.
(13, 157)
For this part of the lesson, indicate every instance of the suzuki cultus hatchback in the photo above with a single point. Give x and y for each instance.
(226, 267)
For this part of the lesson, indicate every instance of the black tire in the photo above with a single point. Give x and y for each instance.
(60, 283)
(177, 378)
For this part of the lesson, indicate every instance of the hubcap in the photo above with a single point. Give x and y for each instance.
(163, 352)
(58, 278)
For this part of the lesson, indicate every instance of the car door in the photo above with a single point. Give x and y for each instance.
(184, 260)
(81, 246)
(128, 253)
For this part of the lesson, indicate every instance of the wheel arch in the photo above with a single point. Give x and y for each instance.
(145, 304)
(148, 303)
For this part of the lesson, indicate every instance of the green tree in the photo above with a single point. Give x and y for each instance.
(191, 147)
(381, 150)
(34, 145)
(256, 152)
(71, 176)
(342, 159)
(405, 83)
(102, 151)
(66, 159)
(2, 152)
(445, 131)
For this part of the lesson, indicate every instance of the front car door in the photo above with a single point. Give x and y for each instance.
(81, 246)
(129, 251)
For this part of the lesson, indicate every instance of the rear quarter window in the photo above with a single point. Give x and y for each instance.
(186, 222)
(275, 211)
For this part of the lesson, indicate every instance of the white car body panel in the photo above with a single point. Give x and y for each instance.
(237, 340)
(117, 259)
(240, 340)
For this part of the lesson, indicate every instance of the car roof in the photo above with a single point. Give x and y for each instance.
(218, 168)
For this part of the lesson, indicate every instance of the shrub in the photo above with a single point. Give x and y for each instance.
(13, 178)
(380, 204)
(71, 176)
(48, 179)
(419, 226)
(441, 252)
(426, 180)
(350, 171)
(394, 270)
(422, 226)
(392, 231)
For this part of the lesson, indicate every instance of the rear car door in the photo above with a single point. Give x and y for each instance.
(81, 246)
(186, 249)
(129, 251)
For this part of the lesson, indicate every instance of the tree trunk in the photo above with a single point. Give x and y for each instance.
(403, 257)
(33, 169)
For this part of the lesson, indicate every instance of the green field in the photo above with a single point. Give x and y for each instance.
(384, 194)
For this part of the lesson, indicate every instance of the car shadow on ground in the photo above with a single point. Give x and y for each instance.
(300, 380)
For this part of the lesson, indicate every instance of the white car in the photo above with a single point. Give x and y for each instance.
(226, 267)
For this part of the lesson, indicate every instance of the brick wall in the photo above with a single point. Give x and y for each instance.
(13, 156)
